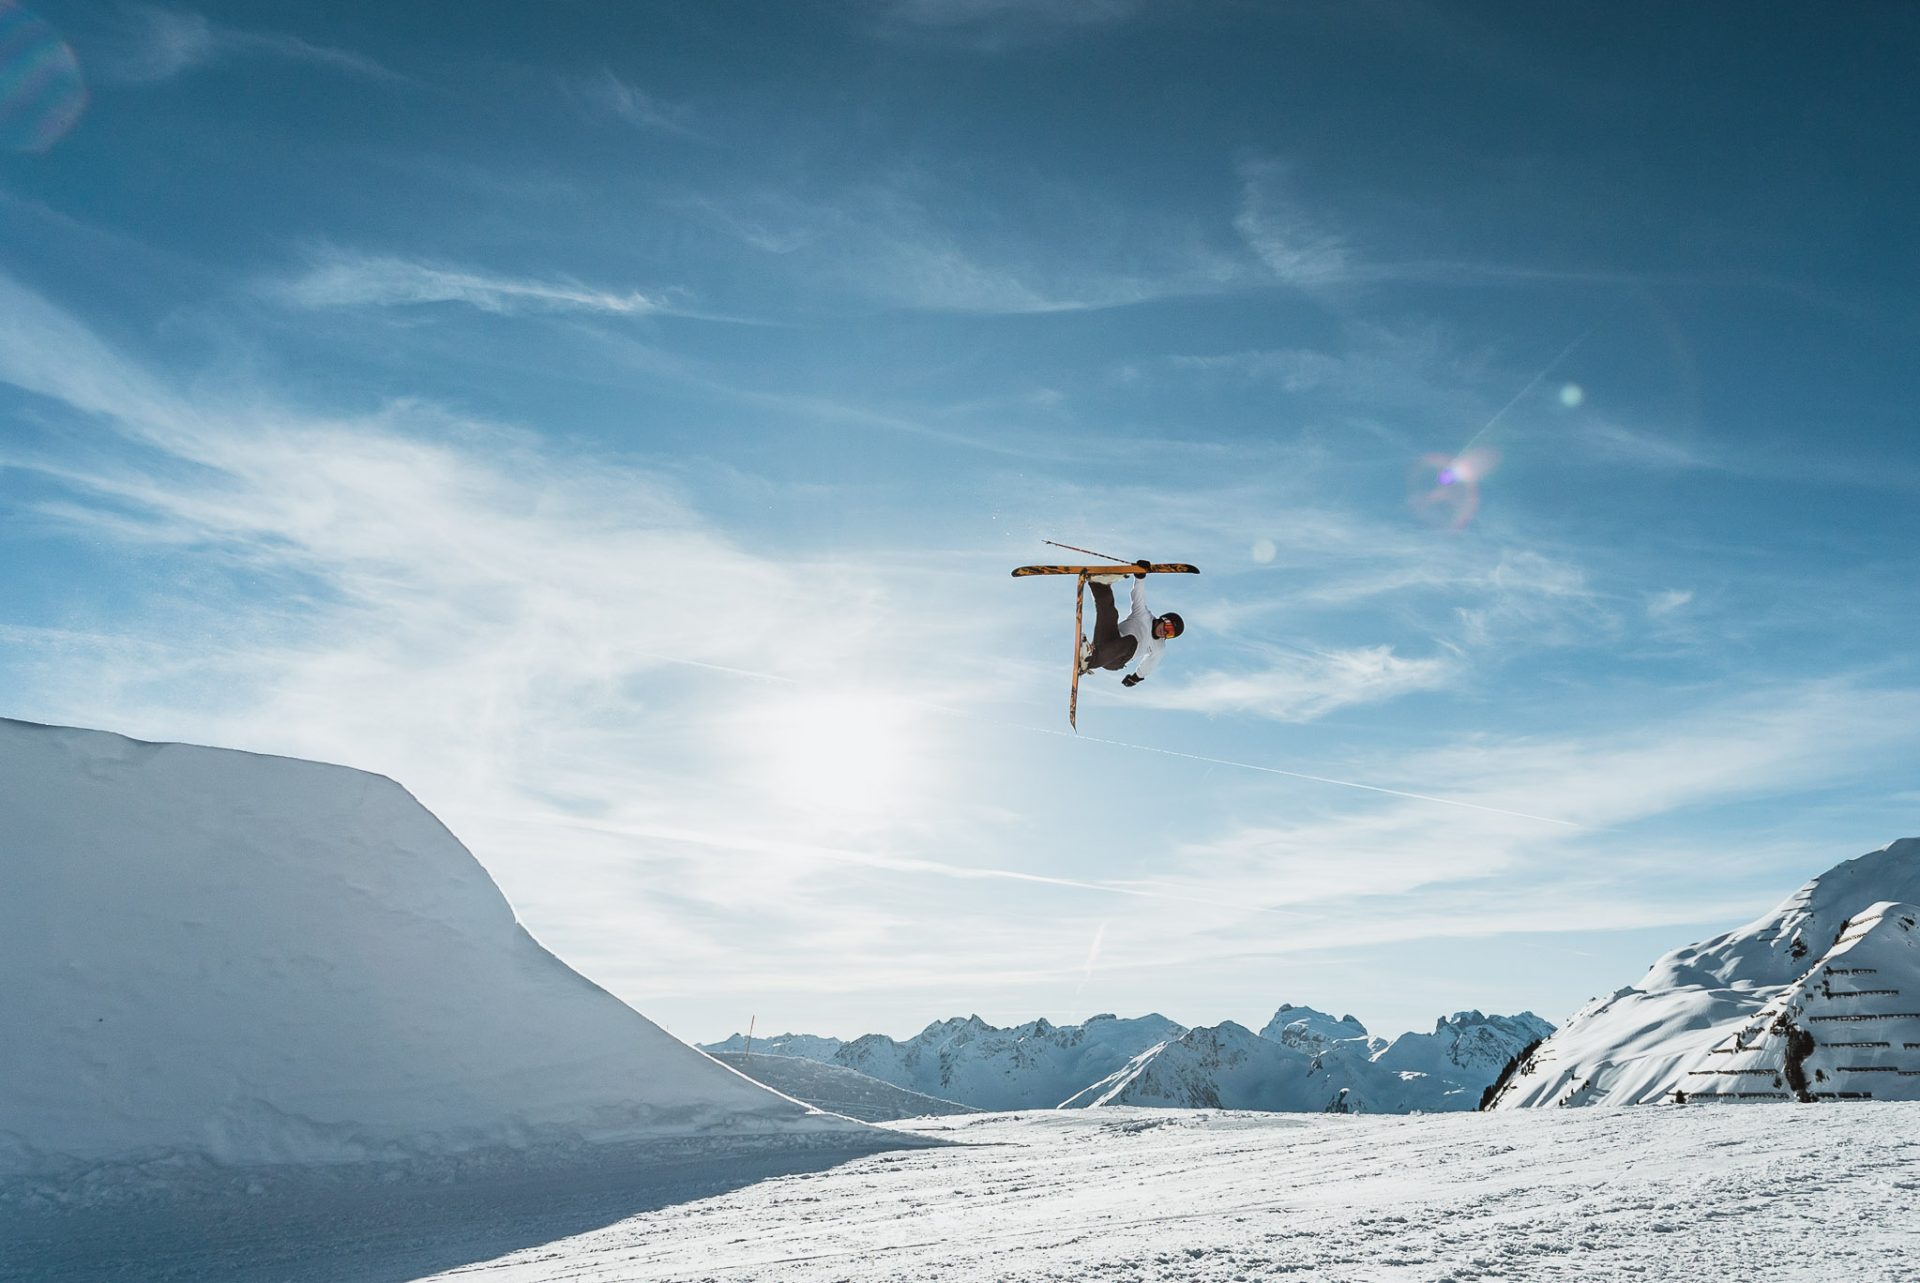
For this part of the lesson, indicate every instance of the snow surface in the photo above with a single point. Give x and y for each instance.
(213, 956)
(838, 1089)
(1796, 1194)
(1827, 986)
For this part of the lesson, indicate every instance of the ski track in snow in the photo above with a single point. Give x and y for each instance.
(1659, 1192)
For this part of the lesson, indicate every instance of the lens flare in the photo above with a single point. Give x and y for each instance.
(41, 92)
(1444, 489)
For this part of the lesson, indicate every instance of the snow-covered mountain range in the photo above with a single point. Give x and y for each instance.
(1030, 1066)
(215, 956)
(1818, 999)
(1300, 1067)
(1302, 1059)
(838, 1089)
(804, 1046)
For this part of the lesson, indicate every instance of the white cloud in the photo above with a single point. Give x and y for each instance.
(1530, 595)
(607, 92)
(157, 44)
(898, 244)
(997, 24)
(571, 663)
(500, 628)
(1301, 687)
(1618, 444)
(1668, 601)
(941, 13)
(1404, 870)
(339, 279)
(1296, 244)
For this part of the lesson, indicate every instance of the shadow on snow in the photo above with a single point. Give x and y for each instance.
(375, 1225)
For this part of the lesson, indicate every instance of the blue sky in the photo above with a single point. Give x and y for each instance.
(617, 422)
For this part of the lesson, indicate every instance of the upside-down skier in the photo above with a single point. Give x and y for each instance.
(1139, 639)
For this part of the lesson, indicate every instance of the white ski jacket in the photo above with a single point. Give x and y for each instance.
(1139, 625)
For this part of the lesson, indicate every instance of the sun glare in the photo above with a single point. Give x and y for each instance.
(844, 755)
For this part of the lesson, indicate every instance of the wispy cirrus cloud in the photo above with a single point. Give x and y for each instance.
(1621, 445)
(514, 633)
(903, 244)
(1303, 686)
(607, 94)
(155, 44)
(1668, 601)
(997, 24)
(337, 278)
(1791, 738)
(1789, 458)
(1360, 874)
(521, 636)
(1296, 243)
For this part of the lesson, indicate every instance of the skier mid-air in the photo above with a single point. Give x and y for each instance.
(1139, 639)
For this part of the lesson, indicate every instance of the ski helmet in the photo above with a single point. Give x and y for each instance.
(1173, 621)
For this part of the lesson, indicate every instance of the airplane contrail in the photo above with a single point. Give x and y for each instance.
(1532, 383)
(868, 859)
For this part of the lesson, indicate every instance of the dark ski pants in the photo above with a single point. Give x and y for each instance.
(1111, 648)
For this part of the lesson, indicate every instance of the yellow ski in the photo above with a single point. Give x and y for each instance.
(1073, 697)
(1122, 568)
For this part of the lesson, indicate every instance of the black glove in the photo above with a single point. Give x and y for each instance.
(1145, 566)
(1132, 679)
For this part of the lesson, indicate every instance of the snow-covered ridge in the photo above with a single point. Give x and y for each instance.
(803, 1046)
(1299, 1067)
(257, 960)
(1818, 999)
(838, 1089)
(1303, 1059)
(1031, 1066)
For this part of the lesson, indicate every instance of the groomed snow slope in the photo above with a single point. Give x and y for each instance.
(257, 960)
(1117, 1196)
(1819, 998)
(1180, 1197)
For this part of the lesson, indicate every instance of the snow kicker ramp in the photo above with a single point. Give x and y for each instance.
(1817, 1000)
(257, 960)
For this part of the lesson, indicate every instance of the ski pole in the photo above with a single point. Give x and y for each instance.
(1091, 553)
